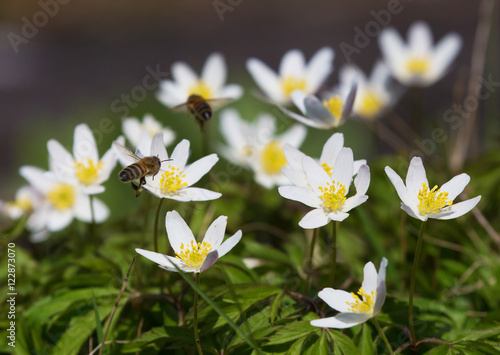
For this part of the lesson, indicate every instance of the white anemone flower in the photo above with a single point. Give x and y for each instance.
(327, 192)
(132, 129)
(421, 202)
(265, 149)
(330, 112)
(62, 201)
(192, 256)
(26, 200)
(175, 178)
(294, 74)
(294, 171)
(418, 63)
(355, 309)
(83, 167)
(210, 85)
(374, 94)
(237, 132)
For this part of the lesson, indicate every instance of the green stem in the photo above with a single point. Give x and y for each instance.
(382, 335)
(195, 316)
(309, 260)
(413, 339)
(155, 226)
(334, 254)
(92, 222)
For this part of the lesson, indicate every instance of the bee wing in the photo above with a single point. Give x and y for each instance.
(218, 103)
(125, 156)
(181, 107)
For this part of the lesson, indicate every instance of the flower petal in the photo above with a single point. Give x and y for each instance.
(308, 121)
(459, 209)
(215, 233)
(61, 161)
(84, 145)
(292, 64)
(158, 258)
(444, 53)
(413, 213)
(267, 80)
(314, 219)
(298, 97)
(353, 202)
(341, 321)
(300, 194)
(415, 178)
(419, 38)
(178, 231)
(316, 110)
(319, 68)
(316, 175)
(393, 49)
(195, 194)
(158, 147)
(180, 154)
(293, 156)
(210, 260)
(229, 244)
(331, 149)
(294, 136)
(455, 186)
(362, 180)
(336, 299)
(184, 75)
(199, 168)
(379, 302)
(401, 189)
(57, 220)
(343, 168)
(131, 128)
(369, 278)
(231, 91)
(214, 71)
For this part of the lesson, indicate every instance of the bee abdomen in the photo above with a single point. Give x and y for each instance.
(204, 110)
(131, 172)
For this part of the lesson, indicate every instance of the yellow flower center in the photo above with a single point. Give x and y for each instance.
(171, 180)
(89, 172)
(370, 105)
(335, 106)
(289, 84)
(62, 196)
(365, 304)
(247, 150)
(432, 201)
(201, 89)
(327, 168)
(22, 203)
(333, 196)
(418, 65)
(152, 131)
(195, 254)
(272, 158)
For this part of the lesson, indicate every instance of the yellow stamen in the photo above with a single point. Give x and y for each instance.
(247, 150)
(272, 158)
(333, 196)
(365, 304)
(289, 84)
(22, 203)
(195, 254)
(335, 106)
(202, 89)
(327, 168)
(62, 196)
(370, 105)
(171, 180)
(89, 172)
(418, 65)
(432, 201)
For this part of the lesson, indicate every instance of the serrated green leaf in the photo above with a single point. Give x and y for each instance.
(291, 332)
(159, 334)
(343, 343)
(366, 342)
(475, 347)
(321, 347)
(275, 306)
(479, 334)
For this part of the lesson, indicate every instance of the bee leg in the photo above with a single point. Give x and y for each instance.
(142, 181)
(136, 188)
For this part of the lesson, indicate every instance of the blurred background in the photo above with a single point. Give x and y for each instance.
(84, 56)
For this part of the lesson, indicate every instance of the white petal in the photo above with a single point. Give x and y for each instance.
(209, 260)
(84, 145)
(416, 177)
(413, 212)
(343, 168)
(297, 177)
(195, 194)
(57, 220)
(229, 244)
(82, 209)
(380, 74)
(180, 154)
(199, 168)
(319, 68)
(171, 94)
(266, 79)
(316, 110)
(362, 180)
(339, 216)
(158, 147)
(316, 175)
(419, 38)
(231, 91)
(131, 128)
(144, 144)
(158, 258)
(294, 136)
(357, 165)
(331, 149)
(108, 164)
(393, 49)
(336, 299)
(183, 74)
(293, 156)
(444, 53)
(180, 264)
(314, 219)
(456, 185)
(292, 64)
(36, 178)
(298, 97)
(369, 278)
(400, 187)
(178, 231)
(353, 202)
(309, 121)
(351, 74)
(214, 71)
(341, 321)
(459, 209)
(215, 233)
(62, 163)
(300, 194)
(379, 302)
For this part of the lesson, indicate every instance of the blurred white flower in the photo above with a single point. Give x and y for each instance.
(83, 168)
(239, 134)
(175, 178)
(294, 171)
(330, 112)
(294, 74)
(26, 200)
(355, 309)
(192, 256)
(418, 63)
(374, 95)
(132, 129)
(421, 202)
(210, 85)
(62, 202)
(327, 192)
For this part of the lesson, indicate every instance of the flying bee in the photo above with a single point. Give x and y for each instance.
(200, 108)
(147, 166)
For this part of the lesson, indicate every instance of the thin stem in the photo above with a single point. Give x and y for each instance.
(382, 335)
(92, 222)
(155, 226)
(403, 235)
(334, 254)
(413, 339)
(195, 308)
(309, 260)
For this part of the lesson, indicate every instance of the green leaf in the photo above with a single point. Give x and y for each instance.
(366, 342)
(343, 343)
(321, 347)
(98, 326)
(479, 334)
(291, 332)
(159, 335)
(476, 347)
(275, 306)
